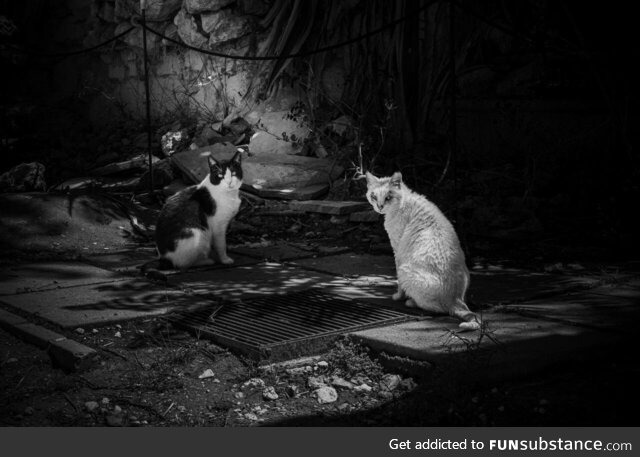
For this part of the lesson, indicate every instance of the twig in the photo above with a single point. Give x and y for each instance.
(168, 409)
(115, 353)
(66, 397)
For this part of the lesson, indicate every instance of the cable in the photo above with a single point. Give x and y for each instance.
(297, 54)
(79, 51)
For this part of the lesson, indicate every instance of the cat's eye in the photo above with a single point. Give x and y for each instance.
(373, 197)
(387, 198)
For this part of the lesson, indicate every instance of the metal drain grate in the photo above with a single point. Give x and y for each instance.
(280, 327)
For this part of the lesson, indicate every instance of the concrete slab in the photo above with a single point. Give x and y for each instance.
(328, 207)
(290, 193)
(66, 353)
(596, 310)
(365, 216)
(122, 262)
(277, 251)
(128, 263)
(101, 304)
(504, 287)
(512, 345)
(352, 265)
(50, 276)
(249, 281)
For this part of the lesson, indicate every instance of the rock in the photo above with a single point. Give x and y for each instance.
(251, 416)
(326, 394)
(208, 134)
(23, 178)
(328, 207)
(390, 382)
(162, 175)
(224, 26)
(76, 183)
(80, 330)
(253, 382)
(292, 391)
(341, 382)
(364, 216)
(173, 187)
(408, 384)
(269, 393)
(140, 161)
(105, 401)
(363, 388)
(118, 335)
(174, 141)
(315, 382)
(322, 364)
(188, 30)
(155, 10)
(208, 373)
(11, 360)
(235, 124)
(343, 406)
(117, 410)
(239, 395)
(91, 406)
(200, 6)
(114, 420)
(339, 220)
(28, 411)
(298, 371)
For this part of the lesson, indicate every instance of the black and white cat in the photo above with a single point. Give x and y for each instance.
(192, 226)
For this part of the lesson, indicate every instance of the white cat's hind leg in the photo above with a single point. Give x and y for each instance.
(423, 290)
(399, 295)
(470, 320)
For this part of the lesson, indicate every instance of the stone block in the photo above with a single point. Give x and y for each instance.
(365, 216)
(328, 207)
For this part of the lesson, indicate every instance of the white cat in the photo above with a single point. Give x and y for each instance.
(430, 264)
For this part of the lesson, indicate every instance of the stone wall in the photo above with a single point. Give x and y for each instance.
(183, 82)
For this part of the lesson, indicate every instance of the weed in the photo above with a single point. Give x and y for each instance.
(350, 358)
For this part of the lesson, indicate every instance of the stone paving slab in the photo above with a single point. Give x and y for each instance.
(277, 252)
(596, 310)
(328, 206)
(66, 353)
(122, 262)
(487, 287)
(512, 345)
(50, 276)
(100, 304)
(266, 278)
(352, 264)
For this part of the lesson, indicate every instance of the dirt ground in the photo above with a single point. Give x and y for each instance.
(151, 374)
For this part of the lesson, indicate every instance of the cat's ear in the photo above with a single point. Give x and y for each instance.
(213, 163)
(396, 179)
(370, 178)
(237, 158)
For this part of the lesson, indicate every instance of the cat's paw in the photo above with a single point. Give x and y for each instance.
(410, 303)
(399, 295)
(469, 325)
(226, 260)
